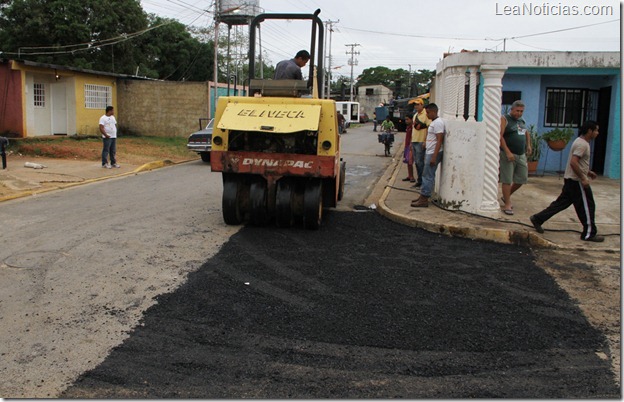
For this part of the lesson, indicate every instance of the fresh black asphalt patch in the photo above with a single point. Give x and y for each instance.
(363, 308)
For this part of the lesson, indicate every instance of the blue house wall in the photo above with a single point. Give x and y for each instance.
(533, 83)
(223, 91)
(614, 144)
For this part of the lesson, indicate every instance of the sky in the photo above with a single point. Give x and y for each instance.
(414, 35)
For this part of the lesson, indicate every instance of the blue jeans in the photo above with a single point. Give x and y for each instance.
(419, 160)
(110, 147)
(429, 174)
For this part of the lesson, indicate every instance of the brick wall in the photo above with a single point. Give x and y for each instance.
(161, 108)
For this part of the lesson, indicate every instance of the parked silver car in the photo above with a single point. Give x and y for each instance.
(201, 141)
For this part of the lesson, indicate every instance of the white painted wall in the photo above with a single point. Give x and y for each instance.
(381, 94)
(460, 181)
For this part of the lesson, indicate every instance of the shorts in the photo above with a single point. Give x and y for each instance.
(513, 172)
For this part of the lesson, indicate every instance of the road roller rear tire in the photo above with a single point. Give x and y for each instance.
(231, 203)
(313, 204)
(343, 174)
(258, 202)
(284, 203)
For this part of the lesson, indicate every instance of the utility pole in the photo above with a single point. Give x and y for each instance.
(352, 62)
(329, 27)
(215, 77)
(409, 88)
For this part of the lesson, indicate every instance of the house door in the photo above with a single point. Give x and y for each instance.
(600, 143)
(59, 108)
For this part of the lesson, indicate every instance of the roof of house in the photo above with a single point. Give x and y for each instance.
(59, 67)
(533, 59)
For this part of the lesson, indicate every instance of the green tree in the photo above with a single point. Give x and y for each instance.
(421, 80)
(170, 52)
(403, 83)
(377, 76)
(99, 31)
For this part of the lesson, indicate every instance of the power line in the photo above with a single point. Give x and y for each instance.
(477, 39)
(186, 5)
(559, 30)
(409, 35)
(87, 45)
(534, 47)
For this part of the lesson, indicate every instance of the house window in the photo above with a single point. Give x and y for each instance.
(510, 97)
(39, 95)
(569, 107)
(98, 96)
(370, 91)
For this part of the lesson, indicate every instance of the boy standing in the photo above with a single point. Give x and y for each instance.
(407, 150)
(108, 129)
(433, 154)
(419, 136)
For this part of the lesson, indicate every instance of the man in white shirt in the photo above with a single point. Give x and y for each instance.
(433, 154)
(108, 128)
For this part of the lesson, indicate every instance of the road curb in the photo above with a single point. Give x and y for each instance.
(503, 236)
(154, 165)
(143, 168)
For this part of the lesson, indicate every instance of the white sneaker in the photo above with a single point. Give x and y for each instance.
(116, 165)
(107, 166)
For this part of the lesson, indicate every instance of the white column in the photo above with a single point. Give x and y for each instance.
(449, 95)
(440, 90)
(492, 98)
(472, 94)
(453, 93)
(461, 92)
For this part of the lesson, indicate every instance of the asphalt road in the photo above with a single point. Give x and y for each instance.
(366, 163)
(78, 267)
(363, 308)
(135, 287)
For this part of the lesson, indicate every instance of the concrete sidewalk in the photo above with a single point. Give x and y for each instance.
(18, 180)
(393, 198)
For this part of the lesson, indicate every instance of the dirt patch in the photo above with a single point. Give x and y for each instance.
(131, 150)
(593, 280)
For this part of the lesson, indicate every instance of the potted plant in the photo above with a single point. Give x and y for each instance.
(558, 138)
(536, 150)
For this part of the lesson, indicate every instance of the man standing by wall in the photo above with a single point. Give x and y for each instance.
(419, 135)
(515, 143)
(108, 128)
(576, 189)
(433, 155)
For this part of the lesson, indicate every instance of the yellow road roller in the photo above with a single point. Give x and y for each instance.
(279, 148)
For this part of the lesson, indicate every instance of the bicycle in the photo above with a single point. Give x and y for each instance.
(387, 139)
